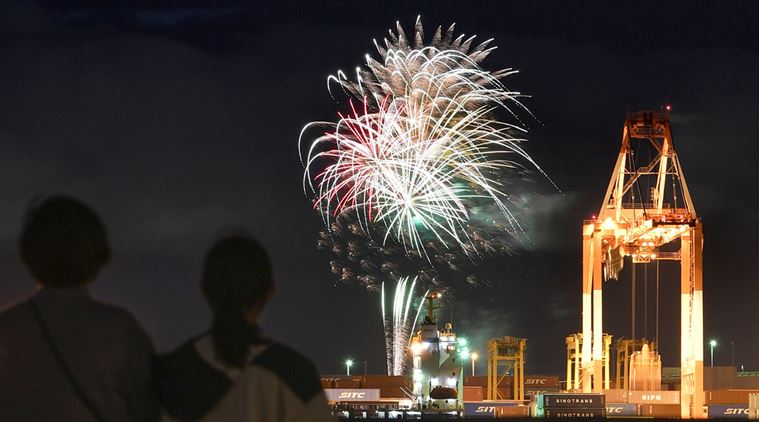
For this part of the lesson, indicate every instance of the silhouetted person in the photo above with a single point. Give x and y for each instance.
(63, 355)
(233, 373)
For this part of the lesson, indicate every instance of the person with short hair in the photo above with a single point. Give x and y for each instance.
(65, 356)
(233, 372)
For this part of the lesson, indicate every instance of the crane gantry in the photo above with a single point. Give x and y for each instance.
(647, 206)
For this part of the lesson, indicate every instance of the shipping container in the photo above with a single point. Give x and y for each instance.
(728, 411)
(351, 394)
(536, 389)
(575, 413)
(719, 377)
(504, 389)
(347, 384)
(746, 380)
(654, 397)
(621, 409)
(529, 393)
(478, 410)
(665, 411)
(472, 393)
(616, 396)
(541, 381)
(332, 379)
(512, 412)
(486, 408)
(476, 381)
(573, 400)
(505, 393)
(727, 396)
(379, 381)
(482, 381)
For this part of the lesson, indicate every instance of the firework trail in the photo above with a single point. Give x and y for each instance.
(398, 326)
(423, 148)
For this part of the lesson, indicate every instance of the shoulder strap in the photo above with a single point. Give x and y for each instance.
(66, 371)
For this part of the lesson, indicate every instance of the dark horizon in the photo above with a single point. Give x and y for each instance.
(177, 119)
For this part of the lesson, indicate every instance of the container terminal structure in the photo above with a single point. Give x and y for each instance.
(728, 394)
(646, 207)
(647, 215)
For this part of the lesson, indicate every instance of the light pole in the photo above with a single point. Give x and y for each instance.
(474, 357)
(712, 345)
(348, 364)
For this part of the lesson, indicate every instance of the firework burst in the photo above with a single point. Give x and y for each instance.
(423, 148)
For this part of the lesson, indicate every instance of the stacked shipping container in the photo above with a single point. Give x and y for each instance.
(534, 384)
(552, 405)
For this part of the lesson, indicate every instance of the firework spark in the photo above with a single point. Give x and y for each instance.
(360, 259)
(398, 326)
(424, 147)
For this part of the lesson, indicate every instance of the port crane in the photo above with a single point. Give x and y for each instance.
(646, 207)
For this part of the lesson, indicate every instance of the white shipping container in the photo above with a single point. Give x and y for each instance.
(654, 397)
(352, 394)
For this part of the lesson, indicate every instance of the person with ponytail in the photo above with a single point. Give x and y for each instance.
(232, 372)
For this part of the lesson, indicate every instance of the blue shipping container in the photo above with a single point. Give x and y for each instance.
(484, 408)
(722, 411)
(621, 409)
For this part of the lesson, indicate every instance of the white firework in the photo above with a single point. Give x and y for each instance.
(425, 146)
(399, 326)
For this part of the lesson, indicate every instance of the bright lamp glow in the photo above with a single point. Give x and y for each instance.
(608, 224)
(713, 343)
(416, 348)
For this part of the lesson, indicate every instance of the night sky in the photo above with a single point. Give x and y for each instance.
(177, 119)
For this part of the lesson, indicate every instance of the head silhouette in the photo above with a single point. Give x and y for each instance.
(63, 242)
(237, 281)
